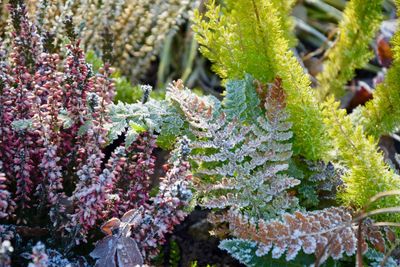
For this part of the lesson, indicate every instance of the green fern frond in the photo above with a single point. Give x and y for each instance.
(368, 174)
(351, 51)
(241, 100)
(246, 163)
(245, 251)
(381, 115)
(238, 41)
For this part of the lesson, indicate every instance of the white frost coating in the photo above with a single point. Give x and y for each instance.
(247, 160)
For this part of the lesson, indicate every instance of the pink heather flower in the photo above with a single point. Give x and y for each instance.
(46, 106)
(140, 166)
(5, 251)
(89, 196)
(18, 143)
(116, 167)
(38, 95)
(7, 205)
(104, 86)
(165, 210)
(39, 256)
(77, 85)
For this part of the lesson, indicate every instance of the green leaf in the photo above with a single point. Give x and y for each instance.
(116, 129)
(245, 252)
(66, 120)
(157, 116)
(137, 127)
(241, 100)
(131, 137)
(94, 60)
(22, 125)
(376, 259)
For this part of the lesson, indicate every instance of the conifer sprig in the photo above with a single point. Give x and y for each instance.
(367, 173)
(351, 50)
(381, 115)
(257, 42)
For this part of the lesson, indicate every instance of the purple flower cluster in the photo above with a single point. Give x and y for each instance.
(55, 173)
(155, 217)
(52, 119)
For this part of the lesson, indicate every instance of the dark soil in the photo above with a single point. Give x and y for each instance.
(197, 245)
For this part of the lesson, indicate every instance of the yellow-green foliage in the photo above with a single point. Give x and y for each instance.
(252, 37)
(241, 40)
(381, 115)
(351, 51)
(368, 174)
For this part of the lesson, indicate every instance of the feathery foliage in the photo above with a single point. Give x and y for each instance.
(257, 43)
(381, 115)
(152, 115)
(239, 42)
(246, 164)
(351, 51)
(367, 173)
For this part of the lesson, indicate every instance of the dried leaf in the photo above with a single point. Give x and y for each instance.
(374, 236)
(110, 225)
(127, 216)
(361, 96)
(390, 235)
(105, 252)
(384, 51)
(128, 253)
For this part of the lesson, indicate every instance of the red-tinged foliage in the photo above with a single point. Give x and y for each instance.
(56, 181)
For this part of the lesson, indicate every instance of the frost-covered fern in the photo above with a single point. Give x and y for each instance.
(332, 232)
(243, 153)
(323, 232)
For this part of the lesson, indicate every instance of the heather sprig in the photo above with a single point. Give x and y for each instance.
(132, 168)
(136, 29)
(149, 223)
(7, 204)
(57, 155)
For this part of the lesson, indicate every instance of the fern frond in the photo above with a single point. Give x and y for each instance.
(245, 252)
(351, 51)
(324, 233)
(331, 232)
(368, 174)
(381, 115)
(245, 162)
(256, 42)
(241, 100)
